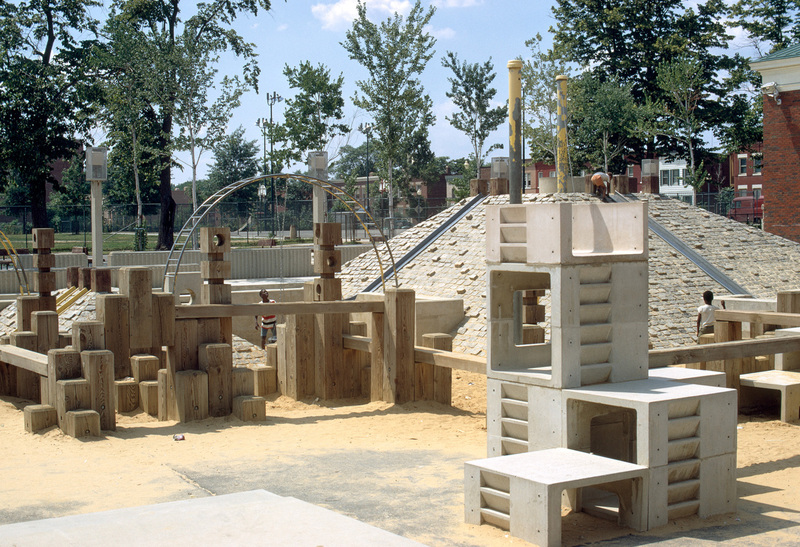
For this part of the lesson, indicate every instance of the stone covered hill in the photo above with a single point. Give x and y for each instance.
(454, 266)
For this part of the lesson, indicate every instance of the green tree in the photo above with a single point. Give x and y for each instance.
(354, 160)
(71, 201)
(159, 25)
(770, 24)
(538, 77)
(605, 115)
(472, 92)
(394, 54)
(235, 159)
(312, 116)
(202, 122)
(47, 91)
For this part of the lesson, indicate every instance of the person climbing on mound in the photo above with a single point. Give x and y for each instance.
(601, 183)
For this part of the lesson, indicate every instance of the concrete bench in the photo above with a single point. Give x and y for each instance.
(522, 492)
(266, 242)
(689, 376)
(784, 381)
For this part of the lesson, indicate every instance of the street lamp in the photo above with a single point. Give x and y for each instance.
(263, 124)
(271, 100)
(367, 128)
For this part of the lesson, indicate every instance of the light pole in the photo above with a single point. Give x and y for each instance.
(262, 124)
(271, 100)
(367, 128)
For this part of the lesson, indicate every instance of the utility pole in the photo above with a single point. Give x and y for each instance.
(367, 128)
(271, 100)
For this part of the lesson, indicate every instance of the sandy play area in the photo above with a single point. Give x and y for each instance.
(399, 468)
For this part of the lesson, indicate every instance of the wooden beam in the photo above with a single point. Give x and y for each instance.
(449, 359)
(763, 317)
(279, 308)
(23, 358)
(358, 343)
(722, 351)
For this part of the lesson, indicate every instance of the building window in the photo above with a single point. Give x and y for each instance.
(756, 191)
(741, 190)
(526, 180)
(742, 164)
(757, 159)
(552, 173)
(630, 170)
(541, 174)
(672, 177)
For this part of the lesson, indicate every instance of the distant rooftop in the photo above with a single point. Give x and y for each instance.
(785, 53)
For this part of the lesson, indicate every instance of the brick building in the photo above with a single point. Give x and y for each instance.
(780, 76)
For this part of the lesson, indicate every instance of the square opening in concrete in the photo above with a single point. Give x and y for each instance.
(530, 324)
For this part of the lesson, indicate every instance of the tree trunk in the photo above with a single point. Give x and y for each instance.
(39, 202)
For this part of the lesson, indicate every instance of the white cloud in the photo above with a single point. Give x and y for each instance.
(282, 27)
(340, 14)
(457, 3)
(445, 33)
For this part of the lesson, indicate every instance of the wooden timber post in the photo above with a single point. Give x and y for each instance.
(788, 302)
(727, 331)
(44, 280)
(333, 377)
(398, 346)
(435, 383)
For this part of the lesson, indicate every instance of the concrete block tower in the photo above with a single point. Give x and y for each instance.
(585, 387)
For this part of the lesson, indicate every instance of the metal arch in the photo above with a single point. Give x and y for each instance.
(185, 235)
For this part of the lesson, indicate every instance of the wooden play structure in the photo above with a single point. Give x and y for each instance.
(175, 361)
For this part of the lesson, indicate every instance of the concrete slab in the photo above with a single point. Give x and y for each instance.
(689, 376)
(256, 517)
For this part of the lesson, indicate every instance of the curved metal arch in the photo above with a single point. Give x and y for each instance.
(185, 235)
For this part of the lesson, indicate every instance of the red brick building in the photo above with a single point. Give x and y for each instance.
(780, 76)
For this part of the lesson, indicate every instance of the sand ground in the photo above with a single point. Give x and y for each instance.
(399, 468)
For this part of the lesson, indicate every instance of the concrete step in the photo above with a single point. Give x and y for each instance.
(682, 509)
(682, 449)
(515, 429)
(594, 293)
(598, 333)
(683, 470)
(514, 409)
(683, 491)
(596, 373)
(495, 500)
(594, 313)
(681, 428)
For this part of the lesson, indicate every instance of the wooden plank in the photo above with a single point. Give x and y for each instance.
(216, 360)
(279, 308)
(720, 351)
(32, 361)
(62, 364)
(163, 395)
(8, 379)
(767, 318)
(191, 395)
(299, 376)
(163, 321)
(329, 371)
(183, 354)
(243, 382)
(398, 354)
(280, 332)
(26, 305)
(45, 325)
(452, 360)
(112, 311)
(98, 369)
(88, 335)
(208, 331)
(31, 384)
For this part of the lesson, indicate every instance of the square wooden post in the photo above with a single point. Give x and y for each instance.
(437, 381)
(398, 344)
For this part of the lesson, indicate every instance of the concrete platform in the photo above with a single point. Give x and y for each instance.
(256, 517)
(689, 376)
(785, 381)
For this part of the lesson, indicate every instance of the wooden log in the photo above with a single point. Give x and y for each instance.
(280, 333)
(250, 409)
(191, 395)
(101, 280)
(243, 382)
(215, 240)
(272, 355)
(219, 294)
(44, 261)
(265, 380)
(62, 364)
(64, 340)
(327, 261)
(182, 355)
(215, 269)
(136, 283)
(127, 395)
(113, 312)
(71, 395)
(532, 314)
(208, 331)
(163, 321)
(216, 360)
(702, 365)
(45, 325)
(478, 186)
(44, 239)
(72, 276)
(44, 282)
(327, 234)
(98, 368)
(331, 378)
(82, 423)
(453, 360)
(327, 289)
(398, 354)
(144, 368)
(26, 305)
(38, 417)
(88, 335)
(378, 372)
(532, 334)
(299, 376)
(765, 317)
(726, 331)
(31, 366)
(148, 396)
(498, 186)
(279, 308)
(718, 351)
(85, 278)
(8, 379)
(442, 389)
(163, 396)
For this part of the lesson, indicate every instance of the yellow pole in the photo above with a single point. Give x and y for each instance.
(562, 163)
(514, 132)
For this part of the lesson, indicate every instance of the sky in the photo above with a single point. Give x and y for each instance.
(293, 31)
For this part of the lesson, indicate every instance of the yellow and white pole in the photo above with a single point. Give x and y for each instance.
(562, 161)
(514, 132)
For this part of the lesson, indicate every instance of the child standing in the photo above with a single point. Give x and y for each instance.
(267, 323)
(705, 314)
